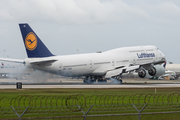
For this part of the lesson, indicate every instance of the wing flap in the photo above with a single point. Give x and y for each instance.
(118, 71)
(130, 68)
(112, 73)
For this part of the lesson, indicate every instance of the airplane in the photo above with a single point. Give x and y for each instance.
(99, 67)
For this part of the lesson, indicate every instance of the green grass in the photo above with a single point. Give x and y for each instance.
(102, 99)
(88, 91)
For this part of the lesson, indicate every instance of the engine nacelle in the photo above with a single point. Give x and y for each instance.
(156, 71)
(142, 73)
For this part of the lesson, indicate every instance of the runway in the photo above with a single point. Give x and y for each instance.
(77, 83)
(92, 86)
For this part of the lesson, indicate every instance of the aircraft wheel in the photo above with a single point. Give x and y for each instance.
(105, 81)
(85, 81)
(119, 78)
(93, 81)
(100, 80)
(120, 81)
(89, 81)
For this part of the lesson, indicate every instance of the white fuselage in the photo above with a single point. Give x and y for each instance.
(99, 63)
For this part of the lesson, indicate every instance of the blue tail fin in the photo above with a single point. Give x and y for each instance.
(34, 46)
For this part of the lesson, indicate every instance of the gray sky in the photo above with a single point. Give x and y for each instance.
(91, 25)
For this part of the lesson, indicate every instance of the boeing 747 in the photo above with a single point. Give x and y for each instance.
(93, 66)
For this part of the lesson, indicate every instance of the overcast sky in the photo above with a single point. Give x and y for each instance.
(91, 25)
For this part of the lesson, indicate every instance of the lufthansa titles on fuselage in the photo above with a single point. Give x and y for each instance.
(145, 55)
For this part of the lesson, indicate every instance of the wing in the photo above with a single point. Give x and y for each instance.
(127, 68)
(120, 70)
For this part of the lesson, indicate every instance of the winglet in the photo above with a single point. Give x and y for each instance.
(34, 46)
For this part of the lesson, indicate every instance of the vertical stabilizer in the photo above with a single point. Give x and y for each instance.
(34, 46)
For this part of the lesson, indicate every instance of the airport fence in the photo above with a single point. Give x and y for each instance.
(75, 106)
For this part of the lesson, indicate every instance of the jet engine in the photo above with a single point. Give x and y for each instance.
(156, 70)
(142, 73)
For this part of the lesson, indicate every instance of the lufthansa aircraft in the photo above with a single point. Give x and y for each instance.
(93, 66)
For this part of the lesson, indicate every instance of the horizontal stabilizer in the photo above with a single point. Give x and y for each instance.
(43, 62)
(12, 60)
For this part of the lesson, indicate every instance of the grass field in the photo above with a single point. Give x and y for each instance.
(11, 93)
(89, 91)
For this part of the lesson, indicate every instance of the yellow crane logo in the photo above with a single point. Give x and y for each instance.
(31, 41)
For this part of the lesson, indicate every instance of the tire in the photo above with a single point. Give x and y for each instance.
(104, 81)
(85, 81)
(120, 81)
(99, 81)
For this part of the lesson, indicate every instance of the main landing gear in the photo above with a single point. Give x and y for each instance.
(118, 78)
(91, 80)
(88, 81)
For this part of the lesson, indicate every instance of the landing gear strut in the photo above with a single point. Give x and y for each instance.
(92, 79)
(101, 80)
(119, 78)
(89, 80)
